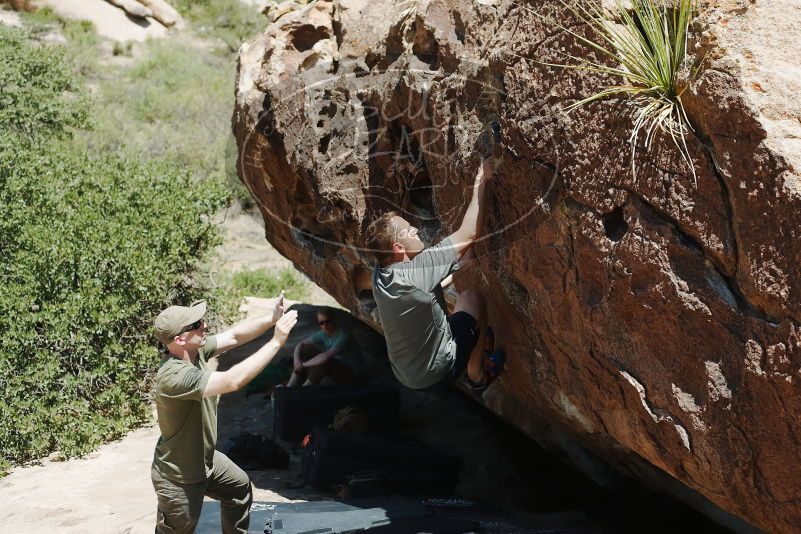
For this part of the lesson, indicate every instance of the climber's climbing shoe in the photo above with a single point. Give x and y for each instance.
(492, 365)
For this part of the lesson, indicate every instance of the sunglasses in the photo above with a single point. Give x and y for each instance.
(324, 322)
(194, 326)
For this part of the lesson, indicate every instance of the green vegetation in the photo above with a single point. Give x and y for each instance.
(648, 56)
(39, 96)
(92, 247)
(258, 282)
(173, 103)
(80, 48)
(231, 21)
(109, 211)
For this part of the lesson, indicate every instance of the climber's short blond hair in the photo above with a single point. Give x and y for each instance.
(380, 237)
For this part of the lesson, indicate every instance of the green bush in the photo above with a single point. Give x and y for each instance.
(91, 248)
(81, 43)
(261, 282)
(38, 91)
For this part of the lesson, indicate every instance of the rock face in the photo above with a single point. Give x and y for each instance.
(651, 321)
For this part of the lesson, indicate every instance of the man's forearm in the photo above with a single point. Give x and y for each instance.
(251, 329)
(319, 359)
(473, 217)
(247, 369)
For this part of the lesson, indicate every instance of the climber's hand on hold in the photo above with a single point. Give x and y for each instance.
(489, 141)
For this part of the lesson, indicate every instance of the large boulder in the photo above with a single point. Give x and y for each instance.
(651, 319)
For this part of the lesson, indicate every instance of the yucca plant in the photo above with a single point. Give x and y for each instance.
(646, 52)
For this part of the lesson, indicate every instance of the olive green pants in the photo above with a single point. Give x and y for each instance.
(179, 504)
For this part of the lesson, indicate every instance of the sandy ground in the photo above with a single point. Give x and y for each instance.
(108, 491)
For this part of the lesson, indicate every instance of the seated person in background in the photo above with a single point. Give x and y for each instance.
(331, 353)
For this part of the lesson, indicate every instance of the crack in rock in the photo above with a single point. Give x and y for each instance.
(657, 414)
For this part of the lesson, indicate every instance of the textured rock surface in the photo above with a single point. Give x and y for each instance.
(652, 321)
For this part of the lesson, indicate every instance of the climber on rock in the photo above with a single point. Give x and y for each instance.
(428, 349)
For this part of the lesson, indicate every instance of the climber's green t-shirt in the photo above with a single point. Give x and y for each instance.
(412, 310)
(188, 422)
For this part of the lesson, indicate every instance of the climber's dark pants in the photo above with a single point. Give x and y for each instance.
(465, 332)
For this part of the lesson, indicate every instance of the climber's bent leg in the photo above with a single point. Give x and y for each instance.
(472, 304)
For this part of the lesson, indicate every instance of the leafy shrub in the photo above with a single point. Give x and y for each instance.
(38, 91)
(81, 39)
(91, 249)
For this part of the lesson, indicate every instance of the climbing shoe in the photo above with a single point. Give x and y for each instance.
(492, 365)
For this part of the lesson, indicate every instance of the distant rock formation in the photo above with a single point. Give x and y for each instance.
(158, 10)
(652, 322)
(132, 8)
(22, 5)
(163, 12)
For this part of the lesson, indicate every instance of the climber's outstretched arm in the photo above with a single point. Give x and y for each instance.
(470, 228)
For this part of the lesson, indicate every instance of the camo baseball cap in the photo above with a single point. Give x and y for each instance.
(171, 321)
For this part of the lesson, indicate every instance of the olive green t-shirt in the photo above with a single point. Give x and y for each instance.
(188, 422)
